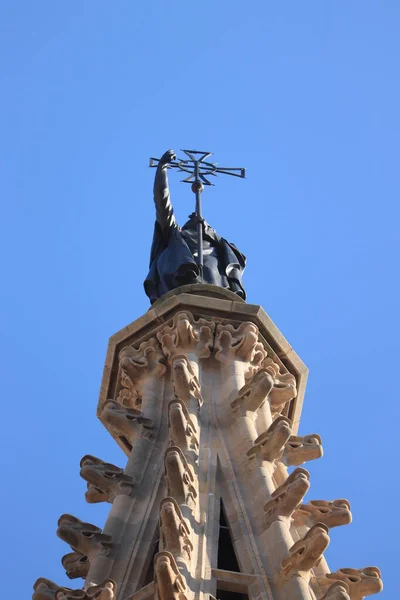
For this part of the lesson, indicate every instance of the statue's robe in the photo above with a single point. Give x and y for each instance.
(173, 260)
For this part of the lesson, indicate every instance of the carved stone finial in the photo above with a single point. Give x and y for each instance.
(306, 553)
(44, 589)
(301, 449)
(104, 591)
(169, 582)
(361, 582)
(332, 513)
(138, 364)
(239, 343)
(179, 476)
(105, 481)
(83, 538)
(253, 395)
(75, 565)
(287, 497)
(184, 380)
(175, 533)
(127, 422)
(182, 432)
(271, 444)
(338, 591)
(284, 388)
(187, 335)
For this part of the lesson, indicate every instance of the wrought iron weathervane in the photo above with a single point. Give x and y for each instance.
(198, 169)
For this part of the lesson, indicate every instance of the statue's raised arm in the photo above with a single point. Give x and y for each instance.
(164, 211)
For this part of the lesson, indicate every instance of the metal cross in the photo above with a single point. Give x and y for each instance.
(198, 168)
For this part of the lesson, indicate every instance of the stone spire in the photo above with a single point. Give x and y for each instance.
(204, 395)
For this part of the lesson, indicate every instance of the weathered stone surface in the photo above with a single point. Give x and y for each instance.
(271, 444)
(138, 365)
(169, 583)
(182, 431)
(187, 334)
(44, 589)
(126, 422)
(239, 343)
(306, 553)
(105, 481)
(83, 538)
(287, 497)
(175, 533)
(185, 382)
(338, 591)
(300, 449)
(332, 513)
(284, 388)
(361, 582)
(179, 477)
(75, 565)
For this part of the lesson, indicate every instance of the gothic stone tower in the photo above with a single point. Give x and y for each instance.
(204, 395)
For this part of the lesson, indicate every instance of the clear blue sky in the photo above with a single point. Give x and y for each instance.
(306, 96)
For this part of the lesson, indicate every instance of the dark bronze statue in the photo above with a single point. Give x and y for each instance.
(174, 259)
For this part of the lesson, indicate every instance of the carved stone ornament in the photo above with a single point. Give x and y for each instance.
(253, 395)
(287, 497)
(105, 481)
(104, 591)
(361, 582)
(175, 533)
(184, 380)
(332, 513)
(187, 335)
(44, 589)
(182, 432)
(284, 388)
(239, 343)
(128, 395)
(82, 537)
(169, 582)
(301, 449)
(75, 565)
(179, 476)
(141, 363)
(338, 591)
(64, 594)
(127, 422)
(306, 553)
(271, 444)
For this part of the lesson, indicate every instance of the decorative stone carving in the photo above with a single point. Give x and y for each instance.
(83, 538)
(175, 533)
(332, 513)
(44, 589)
(184, 380)
(301, 449)
(338, 591)
(253, 395)
(361, 582)
(127, 422)
(169, 582)
(287, 497)
(64, 594)
(306, 553)
(105, 481)
(181, 429)
(284, 388)
(187, 335)
(75, 565)
(239, 343)
(179, 476)
(104, 591)
(128, 395)
(271, 444)
(138, 364)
